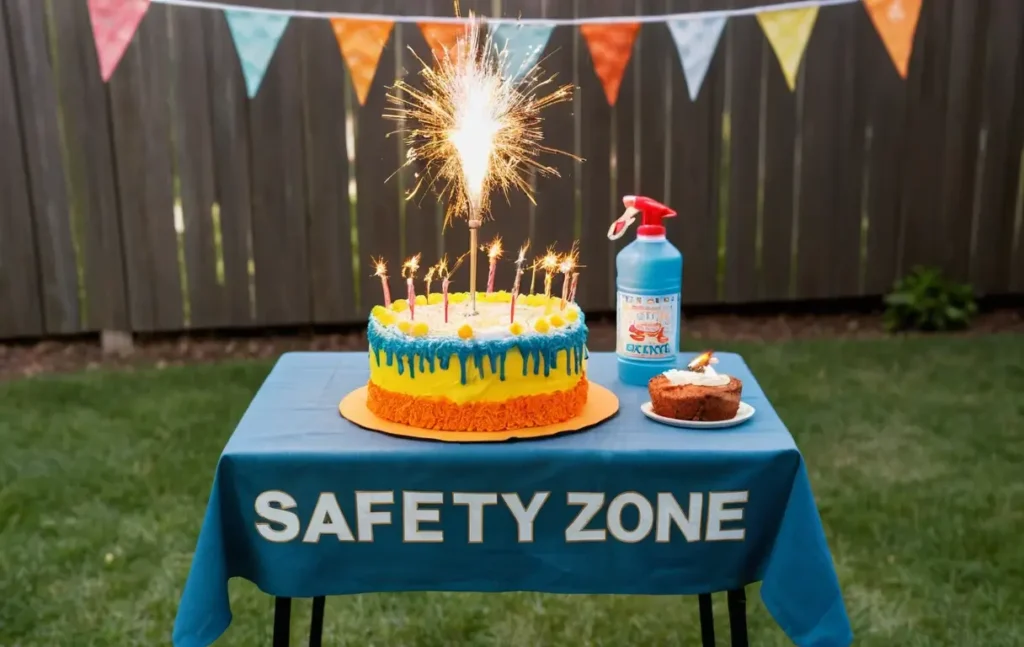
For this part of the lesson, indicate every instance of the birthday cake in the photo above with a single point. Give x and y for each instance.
(438, 366)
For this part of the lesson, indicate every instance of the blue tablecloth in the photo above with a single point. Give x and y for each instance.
(306, 504)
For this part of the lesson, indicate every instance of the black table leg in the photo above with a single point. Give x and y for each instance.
(316, 624)
(738, 617)
(707, 620)
(282, 621)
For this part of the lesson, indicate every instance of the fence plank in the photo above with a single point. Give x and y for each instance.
(597, 119)
(843, 250)
(85, 113)
(925, 135)
(194, 167)
(962, 131)
(324, 83)
(557, 200)
(512, 214)
(1003, 101)
(819, 181)
(279, 209)
(232, 164)
(376, 158)
(884, 95)
(21, 312)
(694, 173)
(47, 183)
(780, 128)
(139, 113)
(742, 40)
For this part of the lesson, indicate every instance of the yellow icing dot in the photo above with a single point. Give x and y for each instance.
(534, 299)
(516, 328)
(405, 327)
(399, 305)
(421, 300)
(541, 325)
(435, 297)
(465, 331)
(377, 311)
(420, 329)
(572, 315)
(386, 317)
(501, 296)
(557, 321)
(458, 297)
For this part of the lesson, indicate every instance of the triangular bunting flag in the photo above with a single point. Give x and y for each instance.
(361, 42)
(896, 21)
(442, 36)
(113, 24)
(696, 41)
(788, 31)
(256, 36)
(610, 45)
(520, 46)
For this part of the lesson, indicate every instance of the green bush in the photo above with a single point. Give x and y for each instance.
(926, 300)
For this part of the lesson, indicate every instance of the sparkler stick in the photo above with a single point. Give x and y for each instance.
(382, 271)
(533, 272)
(409, 273)
(474, 129)
(515, 284)
(565, 267)
(445, 275)
(428, 278)
(493, 254)
(572, 288)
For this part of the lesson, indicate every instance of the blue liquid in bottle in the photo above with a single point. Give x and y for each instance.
(649, 282)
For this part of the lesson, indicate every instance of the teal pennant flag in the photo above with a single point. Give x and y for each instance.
(520, 46)
(696, 40)
(256, 36)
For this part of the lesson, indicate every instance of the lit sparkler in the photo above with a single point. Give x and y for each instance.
(409, 269)
(493, 254)
(381, 270)
(474, 129)
(520, 259)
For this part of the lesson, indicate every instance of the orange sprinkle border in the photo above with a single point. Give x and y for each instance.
(443, 414)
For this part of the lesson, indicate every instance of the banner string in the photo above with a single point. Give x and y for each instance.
(697, 15)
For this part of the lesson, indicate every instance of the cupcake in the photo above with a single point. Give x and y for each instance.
(698, 393)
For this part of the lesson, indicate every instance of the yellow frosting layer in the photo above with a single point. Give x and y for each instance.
(489, 388)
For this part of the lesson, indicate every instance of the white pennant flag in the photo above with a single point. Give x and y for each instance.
(696, 40)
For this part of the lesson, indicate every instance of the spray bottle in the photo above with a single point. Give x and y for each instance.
(648, 283)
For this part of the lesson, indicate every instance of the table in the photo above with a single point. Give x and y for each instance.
(305, 504)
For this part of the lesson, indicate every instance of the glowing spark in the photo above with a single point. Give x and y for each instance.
(550, 261)
(473, 129)
(494, 249)
(522, 253)
(380, 267)
(410, 267)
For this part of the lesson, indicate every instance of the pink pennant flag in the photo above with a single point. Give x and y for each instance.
(113, 24)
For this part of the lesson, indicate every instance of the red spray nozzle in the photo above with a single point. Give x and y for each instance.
(651, 213)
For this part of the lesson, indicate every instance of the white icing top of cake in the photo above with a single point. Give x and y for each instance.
(492, 318)
(709, 377)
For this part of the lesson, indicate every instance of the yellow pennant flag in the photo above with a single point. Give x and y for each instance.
(896, 22)
(788, 31)
(361, 43)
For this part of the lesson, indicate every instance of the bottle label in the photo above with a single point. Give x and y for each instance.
(648, 325)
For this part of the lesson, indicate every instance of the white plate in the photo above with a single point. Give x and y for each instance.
(745, 412)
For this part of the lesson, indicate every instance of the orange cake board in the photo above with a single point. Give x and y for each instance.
(601, 405)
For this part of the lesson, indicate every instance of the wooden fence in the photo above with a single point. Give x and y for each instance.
(166, 200)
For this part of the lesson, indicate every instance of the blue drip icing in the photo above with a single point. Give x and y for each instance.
(438, 352)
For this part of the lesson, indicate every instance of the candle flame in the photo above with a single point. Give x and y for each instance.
(472, 128)
(410, 267)
(701, 361)
(380, 267)
(493, 249)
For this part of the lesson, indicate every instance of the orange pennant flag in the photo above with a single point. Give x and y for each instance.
(442, 36)
(896, 22)
(610, 46)
(361, 43)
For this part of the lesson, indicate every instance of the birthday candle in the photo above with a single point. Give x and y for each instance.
(444, 294)
(382, 272)
(572, 288)
(493, 254)
(515, 284)
(409, 272)
(565, 267)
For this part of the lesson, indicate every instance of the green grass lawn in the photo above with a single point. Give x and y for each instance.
(915, 449)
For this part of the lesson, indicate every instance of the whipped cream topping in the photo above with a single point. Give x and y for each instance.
(708, 378)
